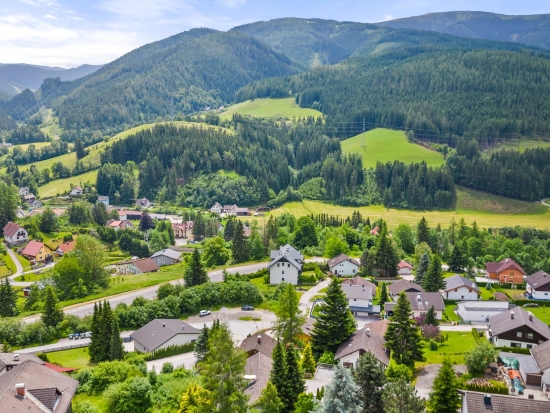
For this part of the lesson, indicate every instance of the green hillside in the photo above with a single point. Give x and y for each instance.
(270, 108)
(386, 145)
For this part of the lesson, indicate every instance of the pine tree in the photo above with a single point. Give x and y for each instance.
(8, 299)
(195, 399)
(79, 149)
(383, 293)
(308, 362)
(422, 268)
(269, 401)
(295, 381)
(444, 397)
(117, 350)
(431, 317)
(402, 336)
(238, 245)
(289, 318)
(423, 231)
(201, 344)
(279, 373)
(400, 397)
(342, 394)
(370, 378)
(93, 348)
(335, 322)
(365, 261)
(456, 261)
(195, 274)
(433, 280)
(52, 315)
(146, 222)
(105, 332)
(386, 258)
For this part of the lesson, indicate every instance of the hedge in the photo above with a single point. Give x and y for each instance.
(170, 351)
(258, 274)
(495, 389)
(307, 279)
(516, 350)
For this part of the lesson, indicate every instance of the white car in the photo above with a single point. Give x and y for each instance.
(202, 313)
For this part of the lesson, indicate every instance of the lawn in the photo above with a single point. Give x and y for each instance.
(25, 146)
(24, 262)
(470, 200)
(75, 357)
(455, 347)
(4, 270)
(9, 263)
(519, 146)
(486, 295)
(270, 108)
(542, 313)
(387, 145)
(451, 315)
(32, 277)
(60, 186)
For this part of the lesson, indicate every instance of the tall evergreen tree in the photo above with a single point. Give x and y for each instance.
(434, 281)
(423, 231)
(239, 246)
(117, 350)
(195, 274)
(342, 394)
(199, 227)
(305, 235)
(201, 344)
(79, 149)
(370, 378)
(308, 362)
(400, 397)
(422, 268)
(93, 348)
(295, 381)
(8, 204)
(289, 316)
(279, 373)
(444, 397)
(431, 317)
(52, 314)
(383, 293)
(366, 261)
(105, 332)
(386, 258)
(402, 336)
(456, 261)
(8, 299)
(335, 322)
(99, 213)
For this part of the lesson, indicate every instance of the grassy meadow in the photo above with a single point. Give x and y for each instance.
(520, 146)
(76, 358)
(60, 186)
(455, 347)
(387, 145)
(270, 108)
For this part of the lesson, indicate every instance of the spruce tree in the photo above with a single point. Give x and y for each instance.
(105, 332)
(431, 317)
(201, 344)
(52, 314)
(79, 149)
(444, 397)
(383, 293)
(289, 316)
(8, 299)
(386, 258)
(239, 247)
(335, 322)
(279, 373)
(195, 274)
(308, 362)
(423, 231)
(402, 336)
(93, 348)
(295, 381)
(456, 261)
(342, 394)
(400, 397)
(99, 213)
(370, 378)
(433, 280)
(117, 350)
(269, 401)
(422, 268)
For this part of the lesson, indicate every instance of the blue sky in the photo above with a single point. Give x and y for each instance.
(68, 33)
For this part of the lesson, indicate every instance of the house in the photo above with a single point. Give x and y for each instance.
(541, 356)
(37, 251)
(243, 212)
(24, 190)
(404, 285)
(130, 215)
(480, 311)
(458, 287)
(64, 248)
(259, 349)
(360, 298)
(20, 213)
(538, 286)
(285, 266)
(57, 211)
(104, 199)
(404, 268)
(357, 280)
(517, 328)
(420, 304)
(76, 191)
(162, 333)
(368, 339)
(473, 402)
(230, 210)
(32, 387)
(15, 234)
(500, 297)
(216, 208)
(166, 257)
(525, 364)
(116, 224)
(10, 360)
(143, 203)
(505, 271)
(342, 265)
(141, 266)
(183, 229)
(375, 230)
(29, 198)
(35, 204)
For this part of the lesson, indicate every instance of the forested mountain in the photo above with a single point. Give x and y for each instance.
(314, 42)
(437, 94)
(6, 122)
(184, 73)
(533, 30)
(15, 78)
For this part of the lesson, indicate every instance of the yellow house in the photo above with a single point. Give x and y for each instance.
(37, 251)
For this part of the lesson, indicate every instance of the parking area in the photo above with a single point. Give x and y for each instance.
(426, 376)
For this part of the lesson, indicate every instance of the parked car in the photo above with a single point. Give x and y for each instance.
(75, 336)
(203, 313)
(247, 307)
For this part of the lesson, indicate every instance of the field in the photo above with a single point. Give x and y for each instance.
(75, 357)
(387, 145)
(60, 186)
(486, 210)
(518, 146)
(458, 343)
(270, 108)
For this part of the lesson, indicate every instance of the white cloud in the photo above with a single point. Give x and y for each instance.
(143, 9)
(388, 17)
(231, 3)
(50, 16)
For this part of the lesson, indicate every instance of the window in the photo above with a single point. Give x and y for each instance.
(530, 336)
(277, 264)
(354, 272)
(529, 346)
(518, 345)
(545, 293)
(282, 272)
(511, 273)
(288, 265)
(282, 279)
(519, 334)
(355, 299)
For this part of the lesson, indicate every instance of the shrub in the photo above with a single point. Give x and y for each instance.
(433, 345)
(110, 372)
(167, 368)
(307, 279)
(170, 351)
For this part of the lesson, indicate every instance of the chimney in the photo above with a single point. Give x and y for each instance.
(530, 316)
(512, 315)
(367, 331)
(163, 325)
(16, 357)
(183, 327)
(487, 400)
(419, 296)
(259, 339)
(20, 389)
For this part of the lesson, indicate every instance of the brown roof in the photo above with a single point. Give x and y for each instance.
(357, 280)
(258, 365)
(538, 279)
(404, 285)
(363, 342)
(259, 342)
(146, 265)
(32, 248)
(11, 229)
(503, 322)
(67, 246)
(505, 264)
(7, 359)
(500, 296)
(44, 387)
(378, 327)
(424, 301)
(341, 258)
(159, 331)
(541, 354)
(473, 402)
(404, 264)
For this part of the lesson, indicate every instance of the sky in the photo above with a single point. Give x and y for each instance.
(68, 33)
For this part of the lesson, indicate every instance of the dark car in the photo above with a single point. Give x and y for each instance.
(247, 307)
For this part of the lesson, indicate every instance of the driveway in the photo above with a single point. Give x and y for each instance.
(304, 303)
(425, 378)
(186, 360)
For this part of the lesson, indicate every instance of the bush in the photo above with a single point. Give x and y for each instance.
(110, 372)
(258, 274)
(170, 351)
(433, 345)
(167, 368)
(307, 279)
(494, 387)
(84, 406)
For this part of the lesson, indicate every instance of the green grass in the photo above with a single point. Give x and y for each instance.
(471, 200)
(75, 357)
(451, 316)
(24, 262)
(270, 108)
(542, 313)
(486, 295)
(455, 347)
(32, 277)
(25, 146)
(519, 146)
(4, 270)
(9, 263)
(387, 145)
(60, 186)
(249, 318)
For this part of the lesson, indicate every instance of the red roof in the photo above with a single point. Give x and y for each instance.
(32, 248)
(146, 265)
(60, 369)
(375, 230)
(404, 264)
(11, 229)
(67, 247)
(505, 264)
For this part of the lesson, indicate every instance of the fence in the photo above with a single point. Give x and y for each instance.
(52, 350)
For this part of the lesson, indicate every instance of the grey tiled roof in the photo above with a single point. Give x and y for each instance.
(457, 281)
(287, 253)
(403, 285)
(538, 279)
(502, 404)
(426, 301)
(341, 258)
(541, 354)
(258, 365)
(175, 255)
(159, 331)
(359, 340)
(357, 292)
(503, 322)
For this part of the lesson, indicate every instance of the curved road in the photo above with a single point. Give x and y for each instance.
(544, 202)
(18, 265)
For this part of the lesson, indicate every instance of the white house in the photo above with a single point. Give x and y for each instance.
(458, 287)
(76, 191)
(404, 268)
(163, 333)
(285, 266)
(24, 190)
(343, 266)
(359, 297)
(142, 266)
(166, 257)
(230, 210)
(104, 199)
(480, 311)
(119, 224)
(538, 286)
(517, 328)
(541, 355)
(143, 203)
(216, 208)
(15, 234)
(368, 339)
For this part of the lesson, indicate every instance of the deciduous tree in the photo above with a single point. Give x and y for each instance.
(479, 358)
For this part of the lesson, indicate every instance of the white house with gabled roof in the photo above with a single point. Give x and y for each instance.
(342, 265)
(285, 266)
